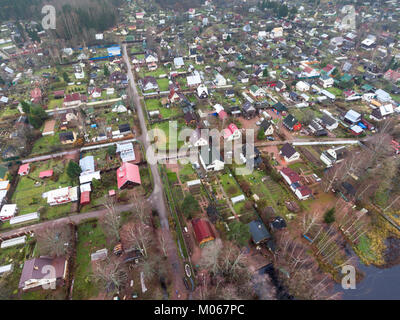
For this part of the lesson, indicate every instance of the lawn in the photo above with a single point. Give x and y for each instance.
(166, 113)
(17, 256)
(45, 143)
(163, 84)
(187, 173)
(230, 186)
(90, 239)
(28, 194)
(163, 142)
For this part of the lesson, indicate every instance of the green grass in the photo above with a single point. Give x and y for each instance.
(163, 84)
(90, 239)
(28, 195)
(166, 113)
(364, 246)
(44, 144)
(229, 184)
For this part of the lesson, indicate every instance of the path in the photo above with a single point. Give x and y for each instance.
(157, 198)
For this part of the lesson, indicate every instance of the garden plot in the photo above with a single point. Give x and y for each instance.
(28, 194)
(166, 113)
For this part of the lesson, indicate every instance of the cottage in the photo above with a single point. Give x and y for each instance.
(258, 231)
(128, 176)
(289, 153)
(61, 195)
(329, 122)
(289, 176)
(291, 123)
(67, 137)
(197, 139)
(24, 169)
(249, 111)
(257, 92)
(211, 159)
(232, 132)
(126, 151)
(326, 81)
(8, 211)
(194, 79)
(333, 155)
(202, 91)
(381, 112)
(352, 117)
(178, 62)
(45, 174)
(219, 80)
(149, 83)
(268, 127)
(43, 272)
(87, 164)
(303, 192)
(302, 86)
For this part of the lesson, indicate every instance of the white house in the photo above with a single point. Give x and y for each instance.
(178, 62)
(197, 140)
(202, 91)
(126, 151)
(211, 160)
(332, 156)
(219, 80)
(302, 86)
(61, 195)
(8, 211)
(289, 153)
(326, 81)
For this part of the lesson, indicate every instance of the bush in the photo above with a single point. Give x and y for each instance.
(329, 216)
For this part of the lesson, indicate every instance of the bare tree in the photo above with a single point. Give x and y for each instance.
(54, 240)
(111, 221)
(111, 274)
(139, 237)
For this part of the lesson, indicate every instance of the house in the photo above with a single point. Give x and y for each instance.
(61, 195)
(23, 169)
(151, 57)
(87, 164)
(173, 96)
(253, 154)
(302, 86)
(126, 151)
(232, 132)
(291, 123)
(94, 93)
(219, 80)
(211, 160)
(199, 59)
(280, 86)
(243, 77)
(128, 176)
(289, 176)
(178, 62)
(268, 127)
(333, 155)
(289, 153)
(197, 140)
(303, 192)
(326, 81)
(48, 129)
(8, 211)
(381, 112)
(279, 108)
(257, 92)
(329, 122)
(352, 117)
(276, 32)
(149, 83)
(383, 96)
(202, 91)
(392, 76)
(249, 111)
(67, 137)
(194, 79)
(258, 231)
(43, 272)
(203, 231)
(74, 99)
(278, 223)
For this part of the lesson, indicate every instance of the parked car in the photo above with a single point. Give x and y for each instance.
(270, 138)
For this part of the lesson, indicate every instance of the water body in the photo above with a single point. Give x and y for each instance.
(378, 284)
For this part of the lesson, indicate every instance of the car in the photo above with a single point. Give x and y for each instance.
(271, 138)
(258, 123)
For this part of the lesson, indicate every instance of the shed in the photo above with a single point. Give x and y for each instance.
(85, 197)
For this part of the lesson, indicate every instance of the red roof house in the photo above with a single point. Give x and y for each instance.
(23, 169)
(222, 114)
(85, 197)
(45, 174)
(128, 175)
(203, 231)
(289, 175)
(303, 192)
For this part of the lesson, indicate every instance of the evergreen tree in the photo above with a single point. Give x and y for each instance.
(73, 170)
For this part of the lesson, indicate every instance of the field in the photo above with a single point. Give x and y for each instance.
(46, 143)
(162, 129)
